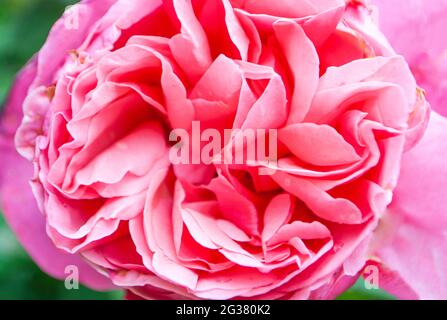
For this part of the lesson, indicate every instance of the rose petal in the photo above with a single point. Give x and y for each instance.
(18, 203)
(28, 223)
(303, 63)
(426, 55)
(288, 8)
(62, 39)
(277, 213)
(319, 145)
(412, 240)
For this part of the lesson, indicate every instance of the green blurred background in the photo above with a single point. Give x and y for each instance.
(24, 25)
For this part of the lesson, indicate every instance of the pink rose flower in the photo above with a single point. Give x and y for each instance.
(103, 95)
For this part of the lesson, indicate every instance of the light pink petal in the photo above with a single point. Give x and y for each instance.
(319, 145)
(277, 213)
(28, 223)
(190, 48)
(234, 206)
(215, 96)
(412, 240)
(376, 81)
(302, 230)
(419, 34)
(138, 151)
(247, 97)
(390, 281)
(232, 231)
(18, 203)
(334, 288)
(319, 27)
(69, 217)
(303, 62)
(168, 269)
(321, 203)
(360, 18)
(62, 39)
(236, 31)
(288, 8)
(270, 110)
(388, 69)
(221, 82)
(196, 231)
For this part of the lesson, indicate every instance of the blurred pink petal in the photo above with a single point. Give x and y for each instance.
(416, 29)
(391, 282)
(413, 234)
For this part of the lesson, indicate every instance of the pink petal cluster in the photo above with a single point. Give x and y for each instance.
(100, 100)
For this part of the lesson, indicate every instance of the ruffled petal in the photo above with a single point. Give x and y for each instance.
(28, 223)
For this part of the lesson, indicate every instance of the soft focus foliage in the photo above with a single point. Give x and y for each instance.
(19, 277)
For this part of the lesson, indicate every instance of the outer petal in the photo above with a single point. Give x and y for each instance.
(18, 202)
(28, 223)
(407, 23)
(62, 39)
(412, 240)
(391, 282)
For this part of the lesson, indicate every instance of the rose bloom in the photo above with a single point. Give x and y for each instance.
(349, 189)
